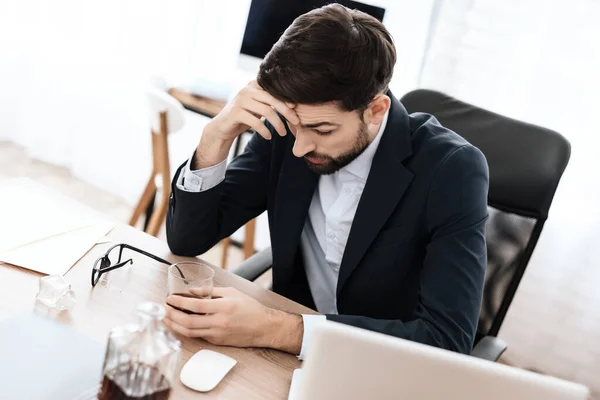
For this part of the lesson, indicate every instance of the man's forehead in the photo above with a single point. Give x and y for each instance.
(311, 113)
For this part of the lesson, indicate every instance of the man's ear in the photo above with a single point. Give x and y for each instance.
(376, 109)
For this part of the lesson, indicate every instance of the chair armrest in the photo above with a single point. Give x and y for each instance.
(489, 348)
(256, 265)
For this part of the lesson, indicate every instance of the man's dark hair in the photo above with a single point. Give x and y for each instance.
(331, 53)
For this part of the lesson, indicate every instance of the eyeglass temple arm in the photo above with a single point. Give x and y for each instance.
(124, 245)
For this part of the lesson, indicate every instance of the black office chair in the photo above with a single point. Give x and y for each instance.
(526, 163)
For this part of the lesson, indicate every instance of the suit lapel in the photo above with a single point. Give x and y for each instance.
(388, 180)
(295, 190)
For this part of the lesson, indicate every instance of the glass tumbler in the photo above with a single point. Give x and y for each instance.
(190, 279)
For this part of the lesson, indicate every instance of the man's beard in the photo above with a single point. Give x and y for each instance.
(334, 164)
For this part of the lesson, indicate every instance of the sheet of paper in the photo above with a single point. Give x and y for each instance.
(56, 254)
(30, 212)
(104, 239)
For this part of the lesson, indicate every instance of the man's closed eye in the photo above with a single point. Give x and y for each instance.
(323, 133)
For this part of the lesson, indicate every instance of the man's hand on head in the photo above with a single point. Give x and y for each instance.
(233, 318)
(244, 112)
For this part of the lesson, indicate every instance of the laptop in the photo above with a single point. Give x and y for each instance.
(345, 362)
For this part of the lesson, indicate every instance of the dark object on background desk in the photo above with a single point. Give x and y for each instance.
(526, 163)
(43, 359)
(267, 19)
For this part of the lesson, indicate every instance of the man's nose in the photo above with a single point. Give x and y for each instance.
(303, 145)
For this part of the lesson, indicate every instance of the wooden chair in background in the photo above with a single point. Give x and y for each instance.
(166, 116)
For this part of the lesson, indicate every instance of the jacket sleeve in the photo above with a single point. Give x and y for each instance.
(452, 277)
(196, 221)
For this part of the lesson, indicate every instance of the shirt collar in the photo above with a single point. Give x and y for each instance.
(361, 165)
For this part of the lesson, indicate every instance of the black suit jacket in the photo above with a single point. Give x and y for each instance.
(415, 259)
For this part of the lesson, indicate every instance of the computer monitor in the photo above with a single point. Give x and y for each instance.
(268, 19)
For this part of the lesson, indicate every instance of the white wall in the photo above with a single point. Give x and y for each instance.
(73, 73)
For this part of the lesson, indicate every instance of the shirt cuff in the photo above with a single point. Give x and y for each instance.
(310, 322)
(203, 179)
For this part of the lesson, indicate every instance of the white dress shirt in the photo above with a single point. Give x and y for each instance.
(327, 227)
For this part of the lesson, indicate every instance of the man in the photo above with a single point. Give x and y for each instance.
(376, 217)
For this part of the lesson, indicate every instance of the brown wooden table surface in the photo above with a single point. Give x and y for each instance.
(259, 373)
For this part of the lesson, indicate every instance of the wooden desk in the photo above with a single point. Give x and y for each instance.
(259, 373)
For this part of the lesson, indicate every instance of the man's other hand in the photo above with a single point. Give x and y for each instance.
(233, 318)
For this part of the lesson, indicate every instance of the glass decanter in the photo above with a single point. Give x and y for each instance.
(141, 359)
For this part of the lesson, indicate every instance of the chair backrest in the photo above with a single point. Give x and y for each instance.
(159, 101)
(526, 163)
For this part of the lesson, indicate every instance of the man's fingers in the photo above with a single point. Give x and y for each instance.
(269, 113)
(279, 105)
(223, 292)
(182, 330)
(254, 84)
(258, 93)
(190, 321)
(195, 305)
(255, 124)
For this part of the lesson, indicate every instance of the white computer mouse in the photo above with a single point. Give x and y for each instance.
(205, 369)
